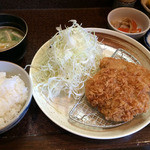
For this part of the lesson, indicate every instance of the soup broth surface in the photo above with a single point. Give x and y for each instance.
(9, 37)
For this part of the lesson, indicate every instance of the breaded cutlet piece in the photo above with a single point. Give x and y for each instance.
(120, 89)
(138, 70)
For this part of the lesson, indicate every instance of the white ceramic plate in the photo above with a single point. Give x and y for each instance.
(58, 112)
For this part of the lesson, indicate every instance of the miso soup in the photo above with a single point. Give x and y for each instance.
(9, 37)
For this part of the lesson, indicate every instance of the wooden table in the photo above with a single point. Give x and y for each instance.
(35, 130)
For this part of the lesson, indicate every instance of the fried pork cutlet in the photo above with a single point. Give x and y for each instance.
(120, 89)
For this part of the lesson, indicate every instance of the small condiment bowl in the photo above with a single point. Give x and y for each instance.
(17, 51)
(147, 39)
(141, 19)
(12, 69)
(146, 5)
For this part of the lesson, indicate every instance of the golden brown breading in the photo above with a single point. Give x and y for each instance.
(119, 90)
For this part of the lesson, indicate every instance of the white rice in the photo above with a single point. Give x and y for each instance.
(13, 95)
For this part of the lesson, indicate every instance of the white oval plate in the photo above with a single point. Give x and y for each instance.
(58, 112)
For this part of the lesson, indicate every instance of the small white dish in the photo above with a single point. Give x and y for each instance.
(139, 17)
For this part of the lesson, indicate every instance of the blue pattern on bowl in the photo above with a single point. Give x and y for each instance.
(146, 39)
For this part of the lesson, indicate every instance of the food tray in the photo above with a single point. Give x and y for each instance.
(83, 113)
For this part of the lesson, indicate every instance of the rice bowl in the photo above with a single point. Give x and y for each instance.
(15, 104)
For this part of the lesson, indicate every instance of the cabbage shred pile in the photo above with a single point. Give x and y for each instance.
(74, 56)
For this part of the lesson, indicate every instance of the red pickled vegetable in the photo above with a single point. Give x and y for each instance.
(127, 25)
(134, 25)
(124, 29)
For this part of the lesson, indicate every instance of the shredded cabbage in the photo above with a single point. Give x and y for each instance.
(74, 56)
